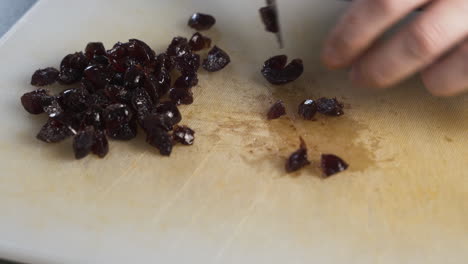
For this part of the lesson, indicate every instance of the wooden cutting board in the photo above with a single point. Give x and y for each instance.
(227, 199)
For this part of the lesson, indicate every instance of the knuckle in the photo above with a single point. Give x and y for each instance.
(379, 79)
(385, 7)
(376, 77)
(350, 36)
(421, 42)
(431, 85)
(432, 81)
(437, 91)
(343, 45)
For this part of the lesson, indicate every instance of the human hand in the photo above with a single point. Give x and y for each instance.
(434, 44)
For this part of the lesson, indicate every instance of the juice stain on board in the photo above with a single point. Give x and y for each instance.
(267, 144)
(324, 135)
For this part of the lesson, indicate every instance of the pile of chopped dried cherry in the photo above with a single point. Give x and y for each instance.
(123, 88)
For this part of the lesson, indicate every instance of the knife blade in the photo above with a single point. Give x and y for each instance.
(270, 18)
(273, 6)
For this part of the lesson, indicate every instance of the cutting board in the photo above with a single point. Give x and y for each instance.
(227, 199)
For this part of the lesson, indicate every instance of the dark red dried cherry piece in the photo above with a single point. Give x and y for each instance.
(277, 72)
(98, 75)
(101, 145)
(118, 55)
(43, 77)
(124, 132)
(77, 61)
(87, 85)
(53, 109)
(155, 121)
(35, 101)
(298, 159)
(159, 138)
(69, 76)
(276, 63)
(217, 60)
(94, 117)
(100, 60)
(74, 121)
(83, 142)
(72, 67)
(184, 135)
(94, 49)
(74, 100)
(200, 21)
(151, 86)
(140, 51)
(117, 94)
(54, 131)
(188, 63)
(277, 110)
(330, 107)
(163, 60)
(269, 18)
(178, 47)
(198, 42)
(181, 96)
(116, 115)
(186, 81)
(170, 110)
(142, 104)
(163, 81)
(332, 164)
(118, 78)
(308, 109)
(99, 98)
(134, 77)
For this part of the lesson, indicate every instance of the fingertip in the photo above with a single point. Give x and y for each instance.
(431, 85)
(330, 58)
(365, 79)
(443, 92)
(436, 89)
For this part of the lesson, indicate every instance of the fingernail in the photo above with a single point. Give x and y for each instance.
(331, 57)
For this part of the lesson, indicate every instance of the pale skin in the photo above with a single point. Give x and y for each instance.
(434, 44)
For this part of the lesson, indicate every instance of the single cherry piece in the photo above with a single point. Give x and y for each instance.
(298, 159)
(277, 72)
(83, 142)
(332, 164)
(43, 77)
(277, 110)
(201, 21)
(330, 107)
(308, 109)
(217, 60)
(184, 135)
(199, 42)
(35, 101)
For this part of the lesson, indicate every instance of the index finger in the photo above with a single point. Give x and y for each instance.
(361, 25)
